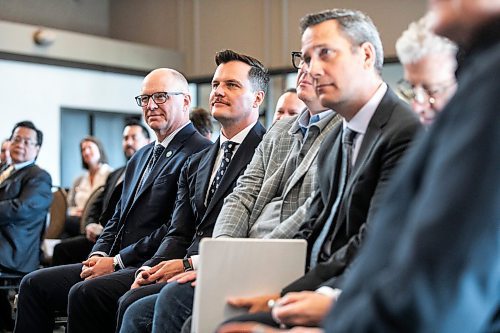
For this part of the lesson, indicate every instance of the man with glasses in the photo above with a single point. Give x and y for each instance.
(141, 217)
(25, 197)
(343, 53)
(429, 63)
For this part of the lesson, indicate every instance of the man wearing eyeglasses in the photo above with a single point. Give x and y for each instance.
(25, 197)
(429, 63)
(89, 290)
(343, 53)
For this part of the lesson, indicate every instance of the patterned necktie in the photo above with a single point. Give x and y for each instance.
(227, 148)
(345, 169)
(158, 150)
(6, 173)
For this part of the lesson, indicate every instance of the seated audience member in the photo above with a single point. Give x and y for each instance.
(76, 249)
(288, 105)
(437, 269)
(5, 155)
(25, 197)
(429, 63)
(238, 89)
(94, 160)
(202, 121)
(88, 290)
(356, 162)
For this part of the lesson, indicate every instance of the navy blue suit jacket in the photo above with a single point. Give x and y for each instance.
(25, 199)
(137, 218)
(432, 261)
(389, 133)
(192, 220)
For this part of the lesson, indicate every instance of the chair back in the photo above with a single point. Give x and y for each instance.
(57, 213)
(88, 207)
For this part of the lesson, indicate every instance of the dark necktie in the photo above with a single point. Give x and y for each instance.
(345, 169)
(158, 150)
(227, 148)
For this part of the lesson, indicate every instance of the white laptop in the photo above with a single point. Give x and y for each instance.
(241, 267)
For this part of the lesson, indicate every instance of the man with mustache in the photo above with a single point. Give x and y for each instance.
(88, 290)
(76, 249)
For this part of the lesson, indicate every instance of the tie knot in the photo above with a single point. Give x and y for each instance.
(348, 136)
(228, 146)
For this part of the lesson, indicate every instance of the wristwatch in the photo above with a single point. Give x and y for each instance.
(187, 265)
(116, 264)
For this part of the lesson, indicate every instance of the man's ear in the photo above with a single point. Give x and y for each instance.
(369, 54)
(259, 98)
(187, 102)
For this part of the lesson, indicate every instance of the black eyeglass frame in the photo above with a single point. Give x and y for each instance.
(138, 99)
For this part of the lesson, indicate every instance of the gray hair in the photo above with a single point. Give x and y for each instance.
(419, 41)
(356, 26)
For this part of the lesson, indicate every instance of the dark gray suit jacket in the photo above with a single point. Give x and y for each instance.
(432, 261)
(138, 218)
(389, 133)
(192, 220)
(25, 198)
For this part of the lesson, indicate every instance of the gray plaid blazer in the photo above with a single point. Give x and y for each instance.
(261, 182)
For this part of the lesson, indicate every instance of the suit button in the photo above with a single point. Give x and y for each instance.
(200, 233)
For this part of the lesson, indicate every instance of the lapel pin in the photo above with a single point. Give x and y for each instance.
(169, 153)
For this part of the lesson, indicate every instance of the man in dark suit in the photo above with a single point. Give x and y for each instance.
(345, 65)
(25, 197)
(144, 210)
(238, 89)
(76, 249)
(432, 262)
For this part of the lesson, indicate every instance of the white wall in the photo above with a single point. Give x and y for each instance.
(37, 92)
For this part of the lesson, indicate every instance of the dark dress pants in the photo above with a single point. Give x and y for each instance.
(42, 293)
(92, 304)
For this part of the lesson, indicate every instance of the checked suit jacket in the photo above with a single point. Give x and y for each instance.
(389, 134)
(139, 218)
(261, 182)
(192, 220)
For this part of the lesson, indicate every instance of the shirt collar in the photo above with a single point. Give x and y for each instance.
(23, 164)
(304, 120)
(238, 138)
(170, 137)
(360, 121)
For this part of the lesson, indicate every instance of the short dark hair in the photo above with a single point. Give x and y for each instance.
(258, 74)
(138, 123)
(30, 125)
(202, 121)
(356, 25)
(98, 143)
(291, 90)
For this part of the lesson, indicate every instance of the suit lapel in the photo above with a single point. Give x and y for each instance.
(239, 161)
(204, 172)
(311, 155)
(168, 154)
(374, 131)
(370, 141)
(136, 177)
